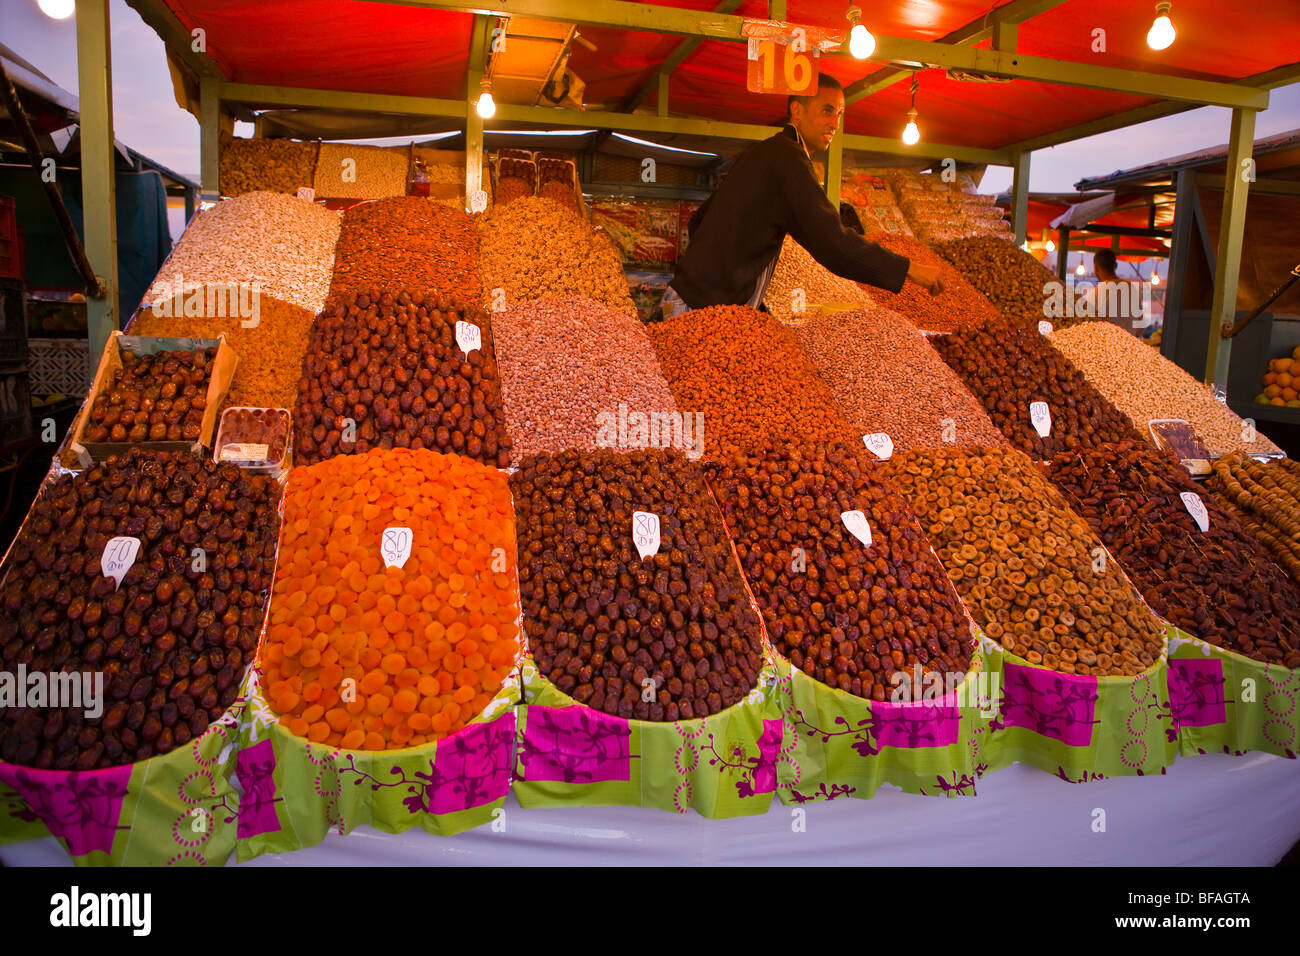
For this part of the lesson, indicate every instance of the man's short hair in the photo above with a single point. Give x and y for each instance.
(1104, 259)
(823, 80)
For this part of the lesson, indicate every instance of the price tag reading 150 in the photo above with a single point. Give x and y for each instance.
(468, 336)
(395, 546)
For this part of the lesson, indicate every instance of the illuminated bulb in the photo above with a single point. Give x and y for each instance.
(57, 9)
(1051, 246)
(486, 106)
(1161, 33)
(1078, 270)
(911, 134)
(861, 43)
(1155, 279)
(1025, 245)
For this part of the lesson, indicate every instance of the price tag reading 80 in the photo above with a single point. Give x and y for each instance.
(307, 193)
(395, 546)
(645, 533)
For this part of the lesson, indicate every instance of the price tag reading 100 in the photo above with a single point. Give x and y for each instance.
(780, 68)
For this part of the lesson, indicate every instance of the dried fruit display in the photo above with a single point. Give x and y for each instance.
(801, 287)
(258, 436)
(1281, 383)
(558, 192)
(748, 377)
(1030, 570)
(384, 370)
(603, 623)
(1008, 367)
(847, 613)
(573, 371)
(407, 242)
(1009, 277)
(1145, 385)
(511, 188)
(1218, 584)
(158, 397)
(346, 170)
(273, 165)
(960, 303)
(283, 244)
(366, 654)
(888, 378)
(533, 248)
(1265, 498)
(173, 641)
(270, 351)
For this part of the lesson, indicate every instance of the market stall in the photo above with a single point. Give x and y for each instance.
(387, 515)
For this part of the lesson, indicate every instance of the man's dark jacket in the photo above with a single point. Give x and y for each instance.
(771, 191)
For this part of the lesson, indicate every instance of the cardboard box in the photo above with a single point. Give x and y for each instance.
(223, 370)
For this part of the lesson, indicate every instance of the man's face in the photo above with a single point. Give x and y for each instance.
(818, 122)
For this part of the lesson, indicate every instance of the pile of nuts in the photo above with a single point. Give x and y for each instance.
(533, 248)
(172, 642)
(384, 370)
(669, 637)
(158, 397)
(422, 630)
(960, 303)
(511, 188)
(845, 613)
(1030, 570)
(274, 165)
(1009, 366)
(1265, 498)
(801, 287)
(559, 193)
(572, 370)
(406, 243)
(281, 243)
(1219, 584)
(1010, 278)
(749, 378)
(1145, 385)
(888, 378)
(345, 170)
(270, 352)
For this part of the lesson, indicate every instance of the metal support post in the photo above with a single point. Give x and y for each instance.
(98, 188)
(1232, 224)
(1020, 196)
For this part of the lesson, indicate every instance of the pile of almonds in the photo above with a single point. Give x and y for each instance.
(888, 378)
(749, 378)
(847, 613)
(611, 628)
(573, 372)
(960, 303)
(1030, 570)
(802, 287)
(1009, 277)
(173, 641)
(1218, 584)
(1009, 367)
(532, 248)
(384, 370)
(406, 243)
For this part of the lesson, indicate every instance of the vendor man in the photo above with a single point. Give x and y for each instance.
(736, 235)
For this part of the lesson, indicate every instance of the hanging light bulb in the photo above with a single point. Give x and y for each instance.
(1051, 246)
(1025, 245)
(486, 106)
(1155, 278)
(861, 43)
(1161, 33)
(911, 132)
(57, 9)
(1078, 270)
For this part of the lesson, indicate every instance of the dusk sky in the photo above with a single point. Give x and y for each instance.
(148, 119)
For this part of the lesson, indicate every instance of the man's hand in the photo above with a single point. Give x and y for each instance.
(927, 277)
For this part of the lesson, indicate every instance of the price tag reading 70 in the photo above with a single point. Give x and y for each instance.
(395, 546)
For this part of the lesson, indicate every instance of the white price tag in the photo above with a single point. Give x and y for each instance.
(395, 546)
(645, 533)
(879, 444)
(1196, 508)
(244, 451)
(857, 524)
(118, 557)
(468, 336)
(1041, 417)
(307, 193)
(1045, 328)
(478, 201)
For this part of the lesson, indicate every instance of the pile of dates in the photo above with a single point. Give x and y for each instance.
(671, 636)
(170, 646)
(159, 397)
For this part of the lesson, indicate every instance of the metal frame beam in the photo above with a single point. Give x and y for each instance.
(478, 49)
(1232, 225)
(98, 183)
(834, 169)
(1020, 196)
(652, 18)
(256, 94)
(671, 62)
(209, 139)
(1268, 187)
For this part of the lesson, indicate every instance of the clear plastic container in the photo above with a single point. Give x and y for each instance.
(257, 439)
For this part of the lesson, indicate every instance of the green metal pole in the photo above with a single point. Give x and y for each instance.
(662, 103)
(209, 139)
(834, 169)
(1020, 196)
(1232, 225)
(474, 122)
(99, 196)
